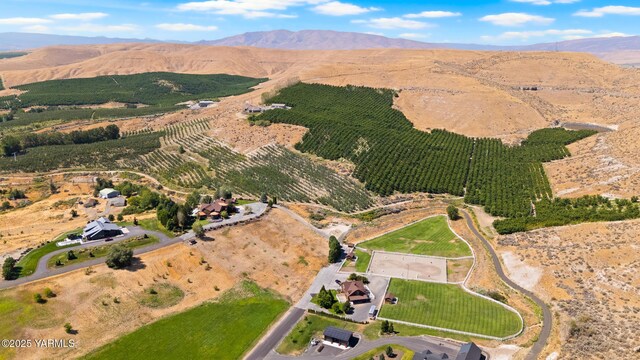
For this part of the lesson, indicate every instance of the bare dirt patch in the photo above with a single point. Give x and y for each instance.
(590, 278)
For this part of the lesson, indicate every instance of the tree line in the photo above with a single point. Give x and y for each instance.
(13, 144)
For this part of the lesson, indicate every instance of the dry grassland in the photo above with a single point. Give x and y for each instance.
(268, 252)
(589, 273)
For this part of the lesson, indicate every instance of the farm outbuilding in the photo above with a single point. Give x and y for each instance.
(337, 337)
(109, 193)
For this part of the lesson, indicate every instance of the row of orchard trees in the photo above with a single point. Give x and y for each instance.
(359, 124)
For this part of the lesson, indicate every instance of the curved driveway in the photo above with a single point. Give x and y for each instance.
(42, 271)
(545, 332)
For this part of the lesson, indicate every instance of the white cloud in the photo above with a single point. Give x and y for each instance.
(247, 8)
(433, 14)
(80, 16)
(337, 8)
(546, 2)
(413, 36)
(516, 19)
(97, 28)
(609, 10)
(36, 29)
(393, 23)
(23, 21)
(611, 34)
(524, 35)
(186, 27)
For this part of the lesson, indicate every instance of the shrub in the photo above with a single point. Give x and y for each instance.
(8, 268)
(453, 212)
(335, 250)
(119, 257)
(48, 293)
(68, 328)
(38, 298)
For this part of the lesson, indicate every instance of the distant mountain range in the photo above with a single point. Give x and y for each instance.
(24, 41)
(335, 40)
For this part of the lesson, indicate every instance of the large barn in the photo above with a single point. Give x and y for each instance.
(100, 229)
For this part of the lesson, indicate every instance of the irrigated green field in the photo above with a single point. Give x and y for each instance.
(225, 329)
(450, 307)
(431, 236)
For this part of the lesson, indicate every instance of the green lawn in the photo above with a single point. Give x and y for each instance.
(431, 236)
(225, 329)
(310, 326)
(28, 264)
(449, 306)
(151, 224)
(362, 260)
(89, 253)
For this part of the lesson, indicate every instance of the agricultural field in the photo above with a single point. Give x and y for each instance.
(145, 94)
(449, 306)
(272, 169)
(11, 54)
(392, 156)
(224, 329)
(161, 88)
(431, 236)
(99, 155)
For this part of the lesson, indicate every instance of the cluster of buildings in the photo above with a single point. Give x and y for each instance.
(344, 339)
(252, 109)
(202, 104)
(214, 210)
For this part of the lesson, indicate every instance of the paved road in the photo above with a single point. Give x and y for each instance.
(272, 340)
(42, 271)
(545, 332)
(415, 343)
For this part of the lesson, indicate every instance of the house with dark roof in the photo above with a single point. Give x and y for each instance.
(337, 337)
(355, 291)
(100, 229)
(429, 355)
(470, 351)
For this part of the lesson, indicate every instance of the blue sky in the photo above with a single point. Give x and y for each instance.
(462, 21)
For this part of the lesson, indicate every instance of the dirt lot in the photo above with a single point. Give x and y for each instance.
(277, 253)
(409, 266)
(48, 216)
(589, 273)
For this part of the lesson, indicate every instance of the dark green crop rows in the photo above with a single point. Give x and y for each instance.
(160, 88)
(99, 155)
(359, 124)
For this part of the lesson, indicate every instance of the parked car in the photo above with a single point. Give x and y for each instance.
(338, 282)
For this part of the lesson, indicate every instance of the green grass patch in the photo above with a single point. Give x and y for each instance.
(362, 260)
(18, 311)
(431, 236)
(152, 224)
(28, 263)
(89, 253)
(245, 202)
(309, 327)
(225, 329)
(449, 306)
(160, 296)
